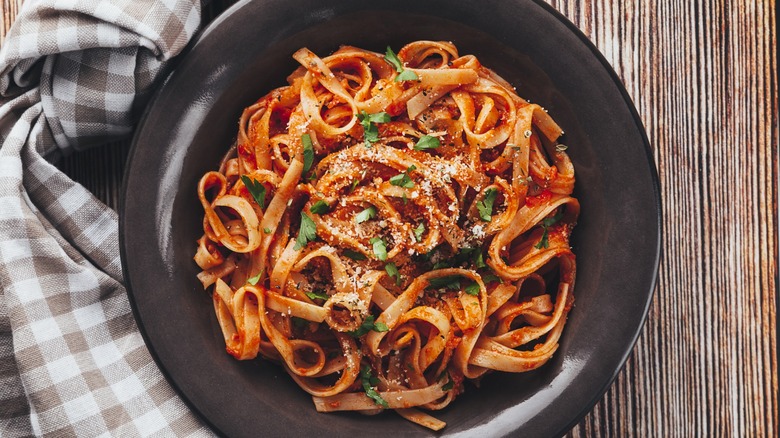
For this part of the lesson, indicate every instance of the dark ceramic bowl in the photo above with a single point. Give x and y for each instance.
(244, 54)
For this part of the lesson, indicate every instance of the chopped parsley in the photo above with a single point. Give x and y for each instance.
(472, 289)
(354, 184)
(320, 207)
(449, 385)
(308, 152)
(403, 179)
(418, 232)
(365, 215)
(380, 250)
(547, 223)
(479, 261)
(403, 74)
(465, 257)
(441, 265)
(317, 295)
(369, 383)
(256, 189)
(485, 206)
(267, 230)
(427, 142)
(446, 282)
(392, 271)
(307, 232)
(299, 323)
(369, 121)
(489, 278)
(354, 255)
(367, 326)
(253, 281)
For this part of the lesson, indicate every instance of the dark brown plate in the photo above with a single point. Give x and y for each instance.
(245, 53)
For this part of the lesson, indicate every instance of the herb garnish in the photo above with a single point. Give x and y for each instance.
(427, 142)
(449, 385)
(547, 223)
(368, 325)
(380, 250)
(307, 232)
(308, 152)
(369, 382)
(354, 184)
(489, 278)
(403, 74)
(485, 206)
(392, 271)
(354, 255)
(299, 323)
(479, 261)
(369, 121)
(403, 179)
(418, 232)
(472, 289)
(446, 282)
(317, 295)
(365, 215)
(256, 189)
(320, 207)
(253, 281)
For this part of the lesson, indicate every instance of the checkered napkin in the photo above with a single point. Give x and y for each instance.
(72, 362)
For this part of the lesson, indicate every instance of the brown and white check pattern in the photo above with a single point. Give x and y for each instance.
(72, 362)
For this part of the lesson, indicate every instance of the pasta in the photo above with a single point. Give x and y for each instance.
(389, 227)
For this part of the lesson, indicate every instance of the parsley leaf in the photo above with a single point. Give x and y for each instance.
(354, 255)
(267, 230)
(485, 206)
(308, 152)
(369, 382)
(447, 282)
(253, 281)
(367, 326)
(427, 142)
(317, 295)
(365, 215)
(369, 121)
(354, 184)
(307, 232)
(392, 271)
(256, 189)
(479, 261)
(299, 322)
(441, 265)
(472, 289)
(380, 250)
(320, 207)
(489, 278)
(403, 179)
(418, 232)
(449, 385)
(404, 75)
(547, 223)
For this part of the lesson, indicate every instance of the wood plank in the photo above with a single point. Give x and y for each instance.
(703, 77)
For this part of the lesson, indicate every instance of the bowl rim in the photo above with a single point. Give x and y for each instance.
(204, 33)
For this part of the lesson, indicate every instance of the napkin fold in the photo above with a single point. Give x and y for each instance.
(72, 361)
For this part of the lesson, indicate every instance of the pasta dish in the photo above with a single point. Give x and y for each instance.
(390, 226)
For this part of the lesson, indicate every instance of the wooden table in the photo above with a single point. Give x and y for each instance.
(702, 74)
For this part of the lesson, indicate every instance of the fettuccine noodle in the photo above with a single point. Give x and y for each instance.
(388, 227)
